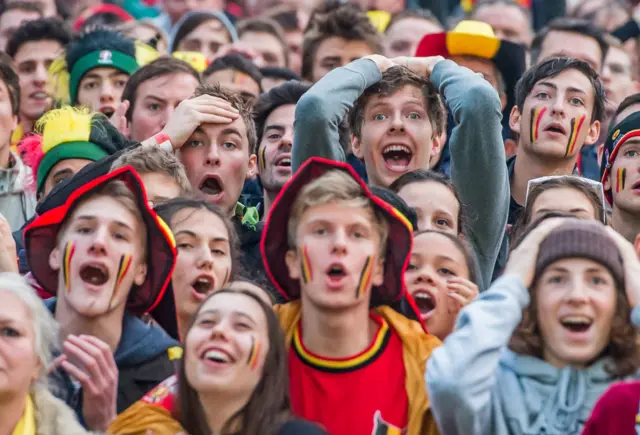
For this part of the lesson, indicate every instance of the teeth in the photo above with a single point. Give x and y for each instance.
(40, 95)
(397, 148)
(216, 355)
(576, 320)
(422, 296)
(203, 281)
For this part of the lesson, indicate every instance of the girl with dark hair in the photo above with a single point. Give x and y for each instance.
(534, 352)
(234, 378)
(441, 277)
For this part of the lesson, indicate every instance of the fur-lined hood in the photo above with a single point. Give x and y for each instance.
(53, 416)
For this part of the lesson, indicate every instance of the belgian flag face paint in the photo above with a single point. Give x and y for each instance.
(536, 116)
(123, 268)
(621, 175)
(305, 266)
(576, 125)
(365, 277)
(261, 157)
(252, 361)
(69, 250)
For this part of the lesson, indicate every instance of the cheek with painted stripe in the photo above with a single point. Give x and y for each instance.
(365, 277)
(536, 116)
(621, 175)
(254, 354)
(69, 250)
(574, 132)
(305, 265)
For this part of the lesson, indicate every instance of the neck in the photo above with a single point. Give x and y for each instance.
(219, 408)
(106, 327)
(27, 124)
(528, 167)
(625, 223)
(11, 410)
(5, 152)
(337, 334)
(268, 196)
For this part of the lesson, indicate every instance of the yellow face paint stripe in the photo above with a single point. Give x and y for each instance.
(263, 162)
(365, 277)
(575, 129)
(69, 250)
(307, 274)
(123, 268)
(620, 179)
(252, 361)
(536, 116)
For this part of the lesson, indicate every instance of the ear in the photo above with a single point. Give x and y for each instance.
(252, 167)
(636, 245)
(141, 274)
(356, 147)
(514, 119)
(377, 279)
(436, 144)
(635, 85)
(600, 153)
(55, 259)
(293, 264)
(593, 134)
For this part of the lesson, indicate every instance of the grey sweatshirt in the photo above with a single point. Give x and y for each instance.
(477, 151)
(478, 386)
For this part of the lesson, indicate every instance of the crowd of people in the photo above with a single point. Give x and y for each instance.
(289, 217)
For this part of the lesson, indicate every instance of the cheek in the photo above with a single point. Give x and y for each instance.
(605, 304)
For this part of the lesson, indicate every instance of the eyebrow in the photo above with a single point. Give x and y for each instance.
(153, 97)
(93, 218)
(66, 171)
(231, 130)
(554, 87)
(278, 127)
(192, 234)
(215, 311)
(331, 59)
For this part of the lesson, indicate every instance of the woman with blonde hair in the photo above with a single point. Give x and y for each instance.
(28, 335)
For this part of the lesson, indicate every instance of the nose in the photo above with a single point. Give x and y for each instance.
(557, 106)
(286, 142)
(213, 156)
(576, 293)
(205, 259)
(40, 77)
(426, 275)
(106, 92)
(339, 243)
(98, 244)
(605, 75)
(397, 123)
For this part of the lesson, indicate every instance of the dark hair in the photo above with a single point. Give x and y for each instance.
(336, 19)
(191, 23)
(28, 6)
(11, 80)
(165, 65)
(623, 347)
(463, 247)
(574, 25)
(236, 62)
(631, 100)
(99, 38)
(419, 13)
(393, 199)
(266, 25)
(43, 29)
(480, 3)
(285, 15)
(557, 183)
(237, 102)
(423, 175)
(279, 73)
(394, 79)
(269, 404)
(168, 210)
(553, 67)
(102, 19)
(286, 93)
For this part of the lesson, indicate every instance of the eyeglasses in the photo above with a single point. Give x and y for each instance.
(596, 186)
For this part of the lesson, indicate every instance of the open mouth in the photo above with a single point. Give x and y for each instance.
(425, 302)
(217, 355)
(40, 96)
(211, 186)
(94, 274)
(555, 128)
(397, 157)
(203, 284)
(284, 161)
(576, 323)
(336, 271)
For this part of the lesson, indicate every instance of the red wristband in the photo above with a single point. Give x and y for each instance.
(164, 141)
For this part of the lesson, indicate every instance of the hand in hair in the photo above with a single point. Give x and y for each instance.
(631, 266)
(8, 257)
(419, 65)
(94, 367)
(381, 62)
(192, 113)
(522, 261)
(119, 119)
(461, 292)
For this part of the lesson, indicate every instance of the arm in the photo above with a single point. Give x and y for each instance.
(478, 167)
(323, 107)
(461, 373)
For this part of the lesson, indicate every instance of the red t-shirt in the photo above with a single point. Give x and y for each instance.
(361, 395)
(616, 412)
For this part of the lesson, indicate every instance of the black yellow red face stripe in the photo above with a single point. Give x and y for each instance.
(69, 250)
(252, 361)
(307, 273)
(365, 277)
(123, 268)
(621, 175)
(576, 125)
(536, 116)
(380, 342)
(262, 158)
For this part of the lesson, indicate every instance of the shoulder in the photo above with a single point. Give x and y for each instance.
(301, 427)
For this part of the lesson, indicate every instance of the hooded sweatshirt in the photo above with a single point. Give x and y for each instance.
(145, 356)
(478, 386)
(215, 15)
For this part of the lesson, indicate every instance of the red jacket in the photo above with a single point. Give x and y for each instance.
(617, 411)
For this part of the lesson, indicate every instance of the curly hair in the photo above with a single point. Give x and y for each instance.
(393, 79)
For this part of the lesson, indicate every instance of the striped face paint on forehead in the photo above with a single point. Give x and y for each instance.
(365, 277)
(576, 126)
(621, 175)
(536, 116)
(69, 250)
(305, 265)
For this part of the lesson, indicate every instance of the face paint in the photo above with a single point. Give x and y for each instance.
(307, 274)
(69, 250)
(263, 161)
(123, 268)
(536, 116)
(252, 361)
(573, 137)
(621, 174)
(365, 277)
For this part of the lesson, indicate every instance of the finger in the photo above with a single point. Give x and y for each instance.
(89, 363)
(100, 370)
(209, 100)
(215, 109)
(214, 119)
(462, 290)
(76, 373)
(56, 363)
(121, 110)
(105, 353)
(459, 299)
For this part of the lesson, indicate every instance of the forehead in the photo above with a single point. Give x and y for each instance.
(617, 55)
(201, 222)
(424, 192)
(571, 78)
(502, 14)
(571, 44)
(283, 115)
(40, 50)
(626, 112)
(13, 308)
(209, 31)
(103, 72)
(107, 209)
(576, 265)
(215, 130)
(436, 244)
(559, 196)
(177, 85)
(230, 302)
(338, 213)
(14, 17)
(412, 28)
(407, 94)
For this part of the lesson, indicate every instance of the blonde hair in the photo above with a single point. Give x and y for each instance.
(45, 328)
(335, 186)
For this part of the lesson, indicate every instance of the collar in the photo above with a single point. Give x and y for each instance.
(27, 424)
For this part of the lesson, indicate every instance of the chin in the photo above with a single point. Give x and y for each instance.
(333, 303)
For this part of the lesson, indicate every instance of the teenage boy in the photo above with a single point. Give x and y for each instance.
(336, 35)
(509, 19)
(559, 107)
(107, 257)
(33, 47)
(266, 38)
(154, 92)
(339, 253)
(397, 120)
(620, 175)
(236, 73)
(12, 16)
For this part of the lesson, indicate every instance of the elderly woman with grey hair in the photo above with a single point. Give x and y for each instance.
(28, 336)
